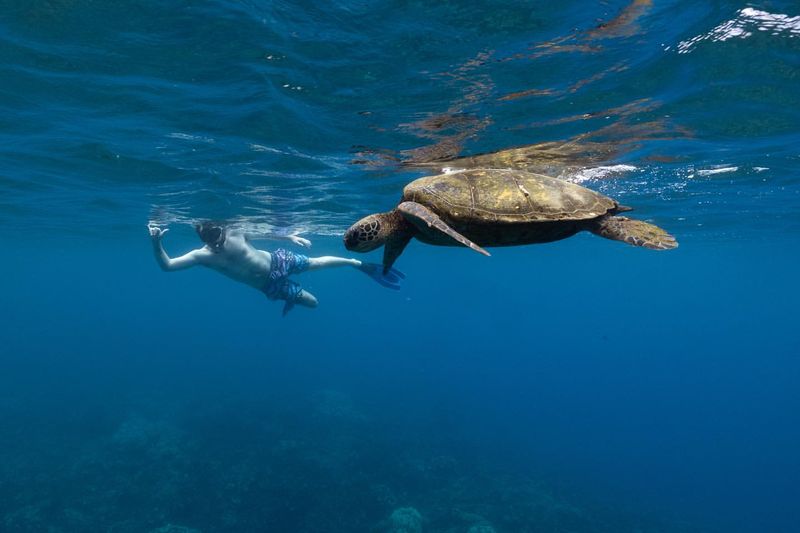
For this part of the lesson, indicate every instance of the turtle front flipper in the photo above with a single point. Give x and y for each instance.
(635, 232)
(420, 215)
(394, 247)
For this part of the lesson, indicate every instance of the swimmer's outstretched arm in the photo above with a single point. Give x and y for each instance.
(166, 262)
(299, 241)
(280, 236)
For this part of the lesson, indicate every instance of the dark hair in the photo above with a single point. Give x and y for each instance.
(211, 233)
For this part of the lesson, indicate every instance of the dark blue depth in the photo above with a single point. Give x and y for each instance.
(578, 386)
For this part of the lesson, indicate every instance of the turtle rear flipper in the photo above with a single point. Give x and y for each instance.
(635, 232)
(420, 215)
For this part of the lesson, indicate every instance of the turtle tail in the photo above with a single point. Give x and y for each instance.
(635, 232)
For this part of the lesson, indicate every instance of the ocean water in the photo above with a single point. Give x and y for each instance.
(578, 386)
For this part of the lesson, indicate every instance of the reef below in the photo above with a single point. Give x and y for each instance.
(250, 465)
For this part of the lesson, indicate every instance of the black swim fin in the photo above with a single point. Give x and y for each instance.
(391, 279)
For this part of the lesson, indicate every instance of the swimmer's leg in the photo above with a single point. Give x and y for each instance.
(306, 299)
(391, 279)
(303, 297)
(328, 261)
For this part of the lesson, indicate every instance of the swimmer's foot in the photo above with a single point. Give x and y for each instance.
(391, 280)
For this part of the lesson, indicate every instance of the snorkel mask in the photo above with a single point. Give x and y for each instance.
(211, 233)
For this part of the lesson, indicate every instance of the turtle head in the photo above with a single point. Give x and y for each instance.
(368, 233)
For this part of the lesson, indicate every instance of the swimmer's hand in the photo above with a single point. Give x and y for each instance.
(391, 280)
(300, 241)
(156, 233)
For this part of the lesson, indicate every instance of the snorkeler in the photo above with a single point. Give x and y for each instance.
(229, 252)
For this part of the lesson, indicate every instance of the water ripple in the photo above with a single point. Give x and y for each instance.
(279, 114)
(746, 22)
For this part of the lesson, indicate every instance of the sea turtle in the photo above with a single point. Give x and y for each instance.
(497, 207)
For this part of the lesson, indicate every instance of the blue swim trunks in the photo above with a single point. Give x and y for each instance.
(279, 286)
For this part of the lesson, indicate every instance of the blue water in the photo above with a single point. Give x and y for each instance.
(578, 386)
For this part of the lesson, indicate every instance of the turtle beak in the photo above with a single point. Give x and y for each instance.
(351, 239)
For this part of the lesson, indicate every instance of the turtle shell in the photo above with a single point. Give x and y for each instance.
(506, 196)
